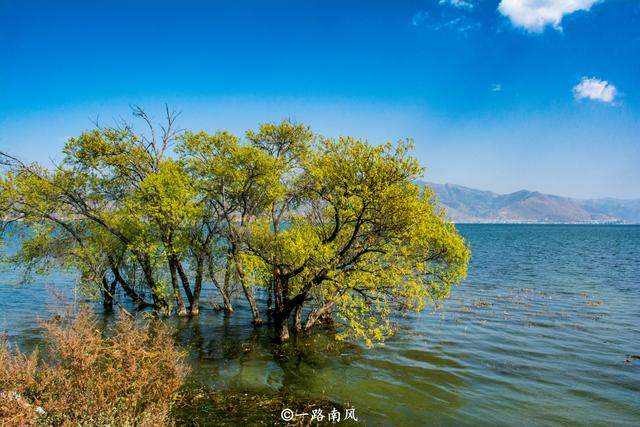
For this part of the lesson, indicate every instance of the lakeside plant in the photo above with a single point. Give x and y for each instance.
(334, 229)
(86, 378)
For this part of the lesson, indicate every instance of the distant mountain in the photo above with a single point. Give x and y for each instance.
(464, 204)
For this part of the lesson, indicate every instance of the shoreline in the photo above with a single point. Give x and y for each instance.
(547, 223)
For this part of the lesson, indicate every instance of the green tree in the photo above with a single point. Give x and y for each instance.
(94, 188)
(332, 230)
(362, 240)
(237, 183)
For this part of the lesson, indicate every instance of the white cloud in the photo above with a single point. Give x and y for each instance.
(460, 4)
(535, 15)
(419, 17)
(461, 24)
(595, 90)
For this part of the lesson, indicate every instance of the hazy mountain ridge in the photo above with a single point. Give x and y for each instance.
(463, 204)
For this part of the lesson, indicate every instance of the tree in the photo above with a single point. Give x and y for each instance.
(235, 182)
(103, 173)
(362, 239)
(333, 230)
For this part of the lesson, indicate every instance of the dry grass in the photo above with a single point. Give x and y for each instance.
(86, 378)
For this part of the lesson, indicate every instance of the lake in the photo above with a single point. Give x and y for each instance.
(540, 333)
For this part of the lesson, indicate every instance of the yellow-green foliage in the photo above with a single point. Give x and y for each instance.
(338, 224)
(234, 178)
(368, 231)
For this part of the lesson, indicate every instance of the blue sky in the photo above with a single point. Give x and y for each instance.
(497, 94)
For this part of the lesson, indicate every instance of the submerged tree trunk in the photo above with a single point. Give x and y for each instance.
(270, 300)
(131, 293)
(197, 288)
(226, 285)
(159, 302)
(318, 313)
(285, 306)
(185, 280)
(282, 327)
(226, 300)
(297, 318)
(327, 317)
(108, 290)
(180, 309)
(257, 320)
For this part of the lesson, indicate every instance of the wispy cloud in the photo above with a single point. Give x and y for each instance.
(460, 4)
(595, 90)
(419, 17)
(535, 15)
(455, 22)
(459, 24)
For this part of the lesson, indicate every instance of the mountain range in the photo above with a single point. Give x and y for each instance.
(463, 204)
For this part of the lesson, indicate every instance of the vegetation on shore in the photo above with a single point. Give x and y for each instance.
(131, 377)
(129, 374)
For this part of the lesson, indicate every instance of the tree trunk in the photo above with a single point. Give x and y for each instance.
(270, 300)
(184, 279)
(317, 314)
(131, 293)
(297, 318)
(107, 294)
(159, 303)
(247, 290)
(252, 302)
(181, 310)
(226, 301)
(327, 317)
(282, 327)
(226, 285)
(197, 288)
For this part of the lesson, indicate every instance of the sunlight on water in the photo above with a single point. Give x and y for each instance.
(538, 334)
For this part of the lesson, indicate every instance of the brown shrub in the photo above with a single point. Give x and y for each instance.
(86, 378)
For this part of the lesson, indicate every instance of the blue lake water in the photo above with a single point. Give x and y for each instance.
(537, 335)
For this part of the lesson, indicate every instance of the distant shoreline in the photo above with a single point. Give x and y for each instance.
(468, 205)
(544, 223)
